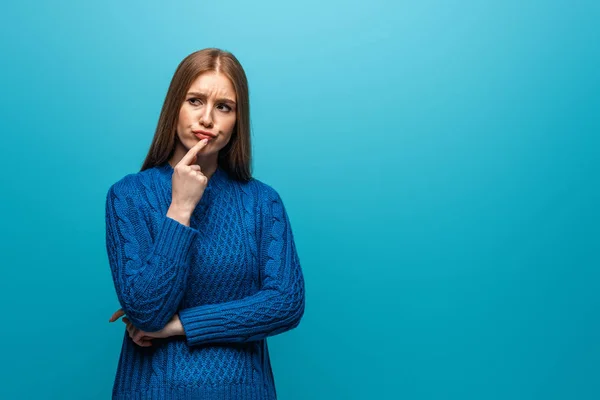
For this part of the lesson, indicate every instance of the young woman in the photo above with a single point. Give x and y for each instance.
(202, 255)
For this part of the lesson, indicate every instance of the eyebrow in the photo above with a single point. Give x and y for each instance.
(223, 100)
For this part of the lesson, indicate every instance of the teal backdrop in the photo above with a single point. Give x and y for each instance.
(439, 161)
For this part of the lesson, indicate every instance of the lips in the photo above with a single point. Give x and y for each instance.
(202, 137)
(204, 134)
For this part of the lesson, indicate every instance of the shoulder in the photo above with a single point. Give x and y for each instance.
(261, 191)
(130, 185)
(259, 197)
(124, 186)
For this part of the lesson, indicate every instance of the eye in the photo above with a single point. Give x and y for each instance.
(226, 106)
(191, 101)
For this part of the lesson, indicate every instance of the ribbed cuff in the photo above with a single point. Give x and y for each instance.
(174, 240)
(202, 323)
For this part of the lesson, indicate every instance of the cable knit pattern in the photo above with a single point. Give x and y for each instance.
(233, 276)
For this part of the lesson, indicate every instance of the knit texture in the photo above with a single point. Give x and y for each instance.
(233, 276)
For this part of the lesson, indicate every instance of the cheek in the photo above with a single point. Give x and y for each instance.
(184, 117)
(228, 124)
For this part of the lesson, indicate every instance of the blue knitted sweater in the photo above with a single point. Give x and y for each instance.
(233, 276)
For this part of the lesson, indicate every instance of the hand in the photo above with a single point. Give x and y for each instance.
(188, 181)
(142, 338)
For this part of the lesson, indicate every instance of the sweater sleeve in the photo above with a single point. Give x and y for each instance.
(279, 304)
(149, 269)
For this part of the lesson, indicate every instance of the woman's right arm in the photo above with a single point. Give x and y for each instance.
(149, 273)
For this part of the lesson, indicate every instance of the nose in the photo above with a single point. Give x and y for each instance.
(205, 118)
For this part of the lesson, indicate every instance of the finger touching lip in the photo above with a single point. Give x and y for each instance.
(203, 136)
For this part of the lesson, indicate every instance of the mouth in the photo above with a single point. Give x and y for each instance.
(204, 135)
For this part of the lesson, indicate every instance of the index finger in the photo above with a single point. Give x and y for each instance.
(187, 159)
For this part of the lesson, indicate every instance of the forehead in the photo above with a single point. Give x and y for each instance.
(213, 84)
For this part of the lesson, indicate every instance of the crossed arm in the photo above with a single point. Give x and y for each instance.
(150, 275)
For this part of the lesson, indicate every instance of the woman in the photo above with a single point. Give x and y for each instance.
(202, 255)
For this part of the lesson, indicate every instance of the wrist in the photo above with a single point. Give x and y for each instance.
(180, 214)
(177, 326)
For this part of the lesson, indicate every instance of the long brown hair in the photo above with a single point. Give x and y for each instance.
(236, 156)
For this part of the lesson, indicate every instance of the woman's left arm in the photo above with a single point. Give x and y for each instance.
(279, 304)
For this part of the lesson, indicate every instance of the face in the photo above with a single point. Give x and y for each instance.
(208, 111)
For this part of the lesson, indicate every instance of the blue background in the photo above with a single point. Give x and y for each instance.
(439, 162)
